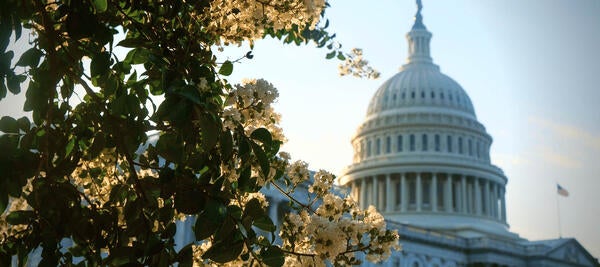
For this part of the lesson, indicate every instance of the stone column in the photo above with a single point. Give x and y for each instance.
(495, 200)
(404, 194)
(389, 197)
(448, 194)
(433, 192)
(374, 195)
(419, 192)
(463, 192)
(477, 196)
(503, 204)
(486, 197)
(363, 193)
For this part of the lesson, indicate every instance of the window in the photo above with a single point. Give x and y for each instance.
(422, 94)
(437, 142)
(403, 95)
(442, 95)
(412, 142)
(460, 145)
(432, 94)
(394, 97)
(388, 144)
(425, 192)
(400, 143)
(470, 143)
(424, 142)
(478, 150)
(369, 148)
(412, 94)
(449, 143)
(450, 97)
(378, 146)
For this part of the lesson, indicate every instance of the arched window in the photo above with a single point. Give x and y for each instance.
(442, 95)
(412, 142)
(412, 94)
(437, 142)
(424, 142)
(400, 145)
(388, 144)
(449, 143)
(368, 148)
(470, 143)
(378, 146)
(403, 95)
(422, 94)
(460, 145)
(432, 94)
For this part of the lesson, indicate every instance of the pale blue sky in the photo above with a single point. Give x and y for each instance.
(531, 68)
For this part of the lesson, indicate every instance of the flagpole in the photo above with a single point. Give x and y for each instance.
(558, 216)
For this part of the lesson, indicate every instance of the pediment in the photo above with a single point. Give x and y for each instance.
(571, 251)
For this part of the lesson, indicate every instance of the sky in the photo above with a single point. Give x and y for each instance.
(531, 68)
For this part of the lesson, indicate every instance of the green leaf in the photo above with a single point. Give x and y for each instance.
(185, 256)
(273, 256)
(100, 5)
(253, 209)
(341, 56)
(330, 55)
(263, 161)
(223, 252)
(24, 124)
(3, 200)
(226, 145)
(97, 145)
(263, 135)
(210, 219)
(70, 146)
(169, 147)
(2, 89)
(137, 56)
(100, 64)
(9, 125)
(226, 68)
(210, 132)
(19, 217)
(265, 223)
(30, 58)
(14, 83)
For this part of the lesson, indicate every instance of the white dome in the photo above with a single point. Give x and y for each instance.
(421, 157)
(421, 86)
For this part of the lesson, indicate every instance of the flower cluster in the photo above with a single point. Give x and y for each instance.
(240, 20)
(250, 104)
(357, 66)
(335, 232)
(323, 181)
(297, 172)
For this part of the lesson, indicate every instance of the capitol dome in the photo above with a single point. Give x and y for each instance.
(421, 157)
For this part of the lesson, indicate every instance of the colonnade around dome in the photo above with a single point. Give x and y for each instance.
(420, 192)
(426, 140)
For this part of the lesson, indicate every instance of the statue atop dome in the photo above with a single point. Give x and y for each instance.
(418, 17)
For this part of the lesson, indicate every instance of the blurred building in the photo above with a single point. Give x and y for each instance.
(422, 158)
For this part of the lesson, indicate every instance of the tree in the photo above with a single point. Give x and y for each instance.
(88, 170)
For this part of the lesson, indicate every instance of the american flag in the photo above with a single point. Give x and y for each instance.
(561, 191)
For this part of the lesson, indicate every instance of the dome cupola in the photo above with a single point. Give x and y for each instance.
(421, 156)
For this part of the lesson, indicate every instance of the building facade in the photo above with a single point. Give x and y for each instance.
(422, 158)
